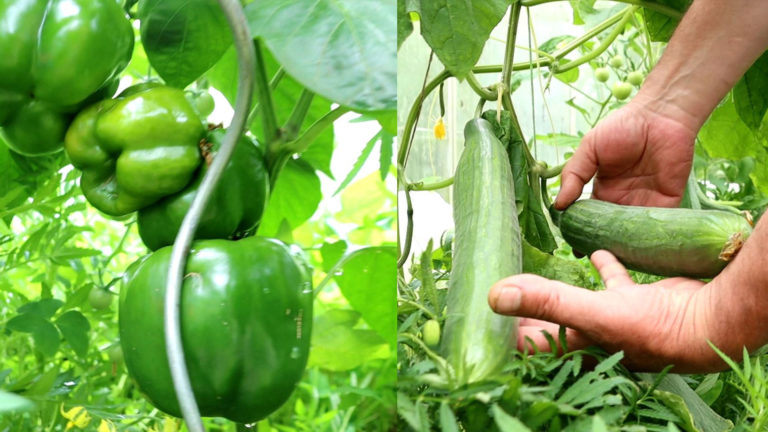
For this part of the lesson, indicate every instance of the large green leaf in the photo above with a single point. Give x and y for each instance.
(367, 279)
(74, 327)
(338, 346)
(10, 402)
(726, 136)
(183, 38)
(345, 50)
(294, 199)
(457, 30)
(661, 26)
(751, 93)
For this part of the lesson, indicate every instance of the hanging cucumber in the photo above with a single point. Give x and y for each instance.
(661, 241)
(486, 248)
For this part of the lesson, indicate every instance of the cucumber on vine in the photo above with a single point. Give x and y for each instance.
(486, 247)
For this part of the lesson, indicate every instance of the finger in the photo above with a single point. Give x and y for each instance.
(532, 338)
(533, 296)
(611, 270)
(577, 172)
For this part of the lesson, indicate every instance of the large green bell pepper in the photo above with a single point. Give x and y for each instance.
(55, 55)
(246, 319)
(234, 209)
(135, 149)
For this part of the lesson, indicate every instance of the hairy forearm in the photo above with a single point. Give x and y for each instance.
(714, 44)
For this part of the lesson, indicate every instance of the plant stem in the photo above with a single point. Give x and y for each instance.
(293, 125)
(479, 89)
(264, 97)
(272, 86)
(408, 230)
(421, 186)
(666, 10)
(509, 54)
(603, 45)
(413, 115)
(277, 159)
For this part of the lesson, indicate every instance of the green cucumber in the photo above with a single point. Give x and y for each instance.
(661, 241)
(486, 247)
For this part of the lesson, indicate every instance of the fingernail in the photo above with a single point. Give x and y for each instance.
(506, 299)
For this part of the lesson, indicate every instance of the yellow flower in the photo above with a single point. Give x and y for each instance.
(106, 426)
(78, 417)
(440, 129)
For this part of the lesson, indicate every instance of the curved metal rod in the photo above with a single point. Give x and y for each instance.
(173, 345)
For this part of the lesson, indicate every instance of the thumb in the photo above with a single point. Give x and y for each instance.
(532, 296)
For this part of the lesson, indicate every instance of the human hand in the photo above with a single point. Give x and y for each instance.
(667, 322)
(640, 158)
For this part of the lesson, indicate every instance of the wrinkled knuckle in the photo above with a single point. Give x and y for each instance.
(548, 304)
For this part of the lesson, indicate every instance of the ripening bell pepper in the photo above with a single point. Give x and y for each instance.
(234, 209)
(135, 149)
(246, 319)
(56, 56)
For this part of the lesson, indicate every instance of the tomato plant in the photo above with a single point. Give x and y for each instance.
(112, 113)
(523, 68)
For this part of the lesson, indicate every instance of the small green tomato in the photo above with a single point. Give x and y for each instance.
(621, 90)
(431, 333)
(616, 61)
(635, 78)
(602, 74)
(115, 353)
(99, 298)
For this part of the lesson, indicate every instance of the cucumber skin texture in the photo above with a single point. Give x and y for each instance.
(661, 241)
(486, 248)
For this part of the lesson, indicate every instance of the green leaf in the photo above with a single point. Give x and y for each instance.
(74, 327)
(44, 308)
(11, 402)
(183, 38)
(724, 135)
(447, 419)
(554, 267)
(44, 383)
(404, 24)
(359, 162)
(661, 26)
(338, 346)
(557, 139)
(385, 153)
(457, 30)
(44, 333)
(332, 253)
(367, 279)
(506, 422)
(751, 93)
(675, 393)
(345, 51)
(294, 199)
(415, 414)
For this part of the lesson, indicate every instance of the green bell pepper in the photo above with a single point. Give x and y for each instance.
(56, 54)
(135, 149)
(234, 209)
(246, 319)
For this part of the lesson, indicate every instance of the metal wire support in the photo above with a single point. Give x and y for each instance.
(173, 344)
